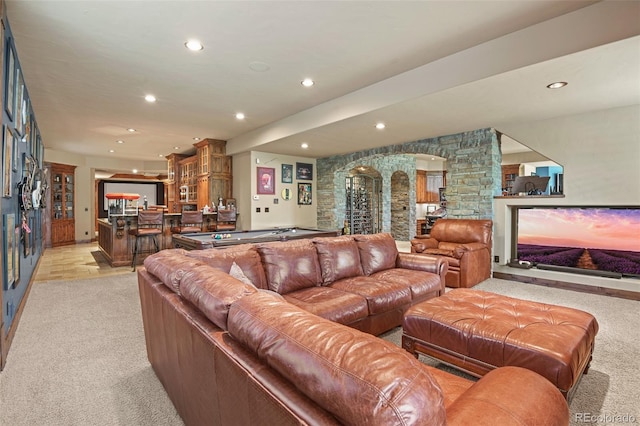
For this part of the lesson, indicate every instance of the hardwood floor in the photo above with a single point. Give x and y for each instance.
(73, 262)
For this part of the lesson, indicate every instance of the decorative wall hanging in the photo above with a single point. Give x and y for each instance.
(304, 194)
(287, 173)
(266, 180)
(304, 171)
(7, 162)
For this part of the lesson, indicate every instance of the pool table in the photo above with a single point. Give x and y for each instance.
(206, 240)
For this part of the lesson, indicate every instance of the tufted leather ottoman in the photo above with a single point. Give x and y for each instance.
(478, 331)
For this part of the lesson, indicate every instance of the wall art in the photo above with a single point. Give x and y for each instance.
(304, 194)
(304, 171)
(266, 180)
(287, 173)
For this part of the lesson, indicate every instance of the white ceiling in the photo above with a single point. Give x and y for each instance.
(425, 68)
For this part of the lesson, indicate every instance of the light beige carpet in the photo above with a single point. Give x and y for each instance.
(79, 358)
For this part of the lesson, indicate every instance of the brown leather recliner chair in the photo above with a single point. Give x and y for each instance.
(465, 244)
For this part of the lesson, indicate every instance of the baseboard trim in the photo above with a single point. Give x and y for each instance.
(604, 291)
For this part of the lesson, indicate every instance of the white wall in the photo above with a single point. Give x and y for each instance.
(600, 153)
(285, 212)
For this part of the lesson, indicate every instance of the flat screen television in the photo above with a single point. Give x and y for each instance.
(599, 240)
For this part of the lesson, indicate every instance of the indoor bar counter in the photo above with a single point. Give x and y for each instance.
(117, 245)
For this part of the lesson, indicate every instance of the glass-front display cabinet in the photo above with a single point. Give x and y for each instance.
(62, 204)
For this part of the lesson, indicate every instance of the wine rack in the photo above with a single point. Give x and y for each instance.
(363, 209)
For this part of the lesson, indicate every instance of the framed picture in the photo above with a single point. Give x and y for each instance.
(17, 230)
(10, 82)
(304, 171)
(304, 194)
(26, 114)
(7, 162)
(266, 180)
(15, 152)
(18, 119)
(9, 221)
(287, 173)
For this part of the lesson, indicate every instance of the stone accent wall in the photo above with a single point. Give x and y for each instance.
(400, 185)
(473, 176)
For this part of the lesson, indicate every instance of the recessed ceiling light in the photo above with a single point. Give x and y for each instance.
(112, 150)
(150, 98)
(557, 85)
(194, 45)
(304, 145)
(131, 130)
(160, 155)
(135, 170)
(433, 158)
(176, 148)
(120, 141)
(380, 126)
(196, 138)
(240, 116)
(307, 82)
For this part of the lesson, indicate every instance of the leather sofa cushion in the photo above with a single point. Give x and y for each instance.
(381, 296)
(439, 252)
(290, 265)
(377, 252)
(212, 291)
(331, 304)
(169, 266)
(420, 283)
(368, 382)
(338, 258)
(244, 255)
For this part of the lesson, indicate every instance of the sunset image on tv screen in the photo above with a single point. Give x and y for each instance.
(604, 239)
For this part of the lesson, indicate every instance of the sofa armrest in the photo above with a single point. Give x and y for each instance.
(498, 399)
(472, 246)
(420, 262)
(456, 250)
(422, 242)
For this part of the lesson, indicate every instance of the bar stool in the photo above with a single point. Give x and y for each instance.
(226, 220)
(191, 221)
(149, 227)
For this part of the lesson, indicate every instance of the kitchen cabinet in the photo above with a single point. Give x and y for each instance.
(428, 184)
(435, 181)
(421, 186)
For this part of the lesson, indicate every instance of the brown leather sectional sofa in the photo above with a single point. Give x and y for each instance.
(230, 352)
